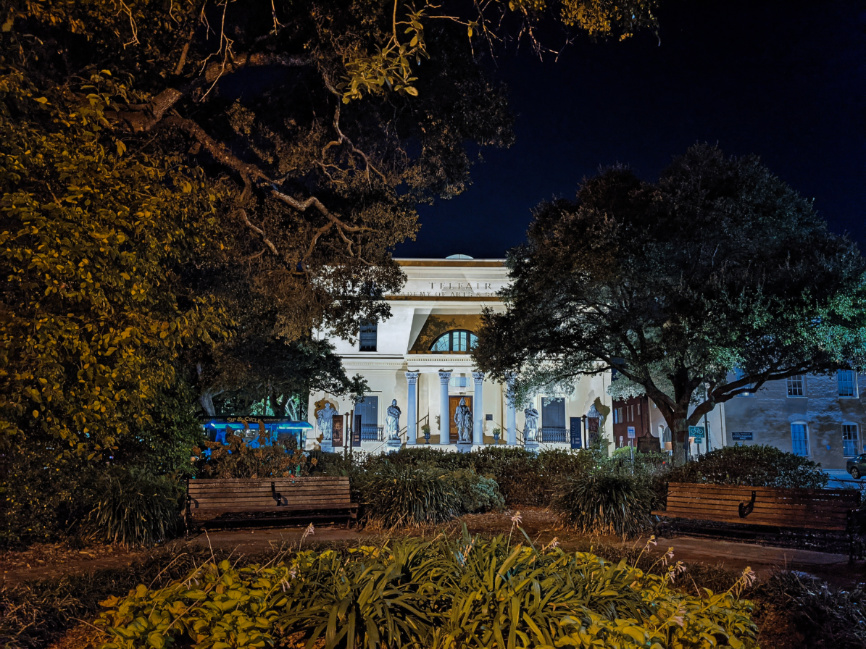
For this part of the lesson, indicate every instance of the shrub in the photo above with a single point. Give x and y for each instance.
(605, 502)
(44, 494)
(477, 493)
(824, 617)
(754, 466)
(135, 508)
(467, 593)
(237, 459)
(517, 472)
(406, 495)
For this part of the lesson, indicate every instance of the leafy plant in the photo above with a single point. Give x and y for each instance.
(238, 459)
(755, 466)
(826, 617)
(605, 502)
(134, 507)
(477, 493)
(466, 592)
(405, 495)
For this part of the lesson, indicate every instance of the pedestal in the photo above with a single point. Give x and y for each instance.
(464, 447)
(326, 446)
(393, 445)
(531, 446)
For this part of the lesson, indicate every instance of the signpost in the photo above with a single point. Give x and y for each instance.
(696, 433)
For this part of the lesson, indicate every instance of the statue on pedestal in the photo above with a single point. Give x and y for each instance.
(531, 429)
(463, 421)
(325, 421)
(392, 421)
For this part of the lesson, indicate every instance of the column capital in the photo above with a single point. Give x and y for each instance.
(478, 377)
(412, 376)
(445, 376)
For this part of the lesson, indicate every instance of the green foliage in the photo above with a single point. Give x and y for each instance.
(754, 466)
(237, 459)
(45, 495)
(477, 493)
(403, 495)
(135, 507)
(824, 617)
(734, 270)
(523, 478)
(95, 317)
(442, 594)
(606, 502)
(35, 614)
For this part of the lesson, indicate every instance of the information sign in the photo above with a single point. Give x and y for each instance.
(697, 432)
(575, 436)
(631, 434)
(740, 436)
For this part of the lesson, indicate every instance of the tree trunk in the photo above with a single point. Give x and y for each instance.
(206, 401)
(680, 437)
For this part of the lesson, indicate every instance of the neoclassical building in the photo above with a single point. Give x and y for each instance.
(420, 357)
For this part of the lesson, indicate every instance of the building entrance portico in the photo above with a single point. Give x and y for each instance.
(421, 356)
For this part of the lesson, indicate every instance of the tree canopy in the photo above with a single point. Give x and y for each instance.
(699, 287)
(186, 180)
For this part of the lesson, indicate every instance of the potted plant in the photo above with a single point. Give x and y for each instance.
(496, 432)
(425, 430)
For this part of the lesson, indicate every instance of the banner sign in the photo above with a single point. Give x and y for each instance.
(337, 434)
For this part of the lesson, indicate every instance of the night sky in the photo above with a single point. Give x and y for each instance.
(784, 79)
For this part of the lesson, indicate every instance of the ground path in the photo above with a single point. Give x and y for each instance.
(540, 525)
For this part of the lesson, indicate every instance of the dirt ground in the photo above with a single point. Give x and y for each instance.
(540, 525)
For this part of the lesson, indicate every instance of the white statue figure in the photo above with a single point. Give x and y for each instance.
(463, 421)
(531, 430)
(392, 420)
(325, 421)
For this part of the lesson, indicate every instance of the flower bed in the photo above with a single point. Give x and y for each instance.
(465, 592)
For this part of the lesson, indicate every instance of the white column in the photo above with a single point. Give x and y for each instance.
(478, 409)
(412, 408)
(444, 412)
(510, 415)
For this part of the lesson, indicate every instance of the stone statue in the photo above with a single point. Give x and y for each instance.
(531, 430)
(392, 420)
(463, 421)
(325, 421)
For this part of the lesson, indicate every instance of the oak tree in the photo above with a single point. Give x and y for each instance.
(696, 288)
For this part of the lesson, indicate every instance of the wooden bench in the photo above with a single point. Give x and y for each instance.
(822, 510)
(241, 500)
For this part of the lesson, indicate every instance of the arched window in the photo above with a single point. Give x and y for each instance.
(455, 341)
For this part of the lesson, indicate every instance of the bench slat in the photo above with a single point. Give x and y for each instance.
(310, 497)
(820, 509)
(818, 525)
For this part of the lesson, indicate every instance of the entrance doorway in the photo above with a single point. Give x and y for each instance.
(453, 402)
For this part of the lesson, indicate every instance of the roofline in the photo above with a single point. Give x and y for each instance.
(451, 263)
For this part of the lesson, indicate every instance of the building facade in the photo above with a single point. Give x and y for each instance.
(819, 417)
(421, 357)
